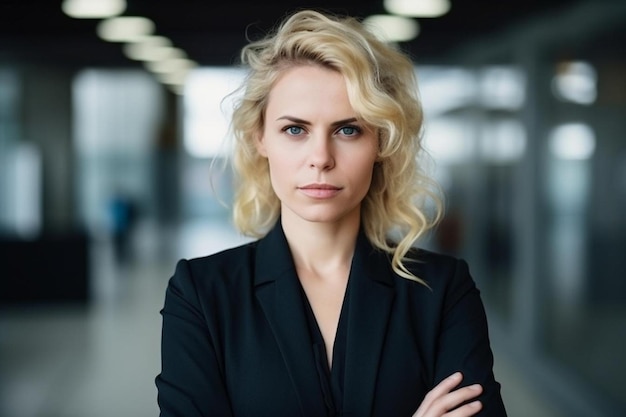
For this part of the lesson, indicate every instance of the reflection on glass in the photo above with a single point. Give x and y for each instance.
(573, 141)
(207, 110)
(575, 82)
(503, 141)
(502, 87)
(585, 264)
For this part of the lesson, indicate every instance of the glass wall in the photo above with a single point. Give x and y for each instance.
(20, 165)
(531, 150)
(476, 138)
(585, 226)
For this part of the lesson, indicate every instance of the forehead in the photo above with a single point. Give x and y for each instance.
(307, 87)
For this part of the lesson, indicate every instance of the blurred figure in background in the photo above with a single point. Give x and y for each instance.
(123, 213)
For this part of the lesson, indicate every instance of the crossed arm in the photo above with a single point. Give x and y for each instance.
(445, 401)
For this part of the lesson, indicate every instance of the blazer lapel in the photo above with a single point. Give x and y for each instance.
(278, 291)
(370, 305)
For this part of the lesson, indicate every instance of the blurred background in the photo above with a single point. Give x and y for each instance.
(112, 115)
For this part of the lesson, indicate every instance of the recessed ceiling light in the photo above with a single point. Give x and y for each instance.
(125, 28)
(151, 48)
(392, 28)
(93, 9)
(417, 8)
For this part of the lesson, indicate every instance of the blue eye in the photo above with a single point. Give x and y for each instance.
(293, 130)
(349, 130)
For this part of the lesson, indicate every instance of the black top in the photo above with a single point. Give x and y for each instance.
(236, 343)
(331, 379)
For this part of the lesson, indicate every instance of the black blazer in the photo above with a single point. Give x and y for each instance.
(235, 339)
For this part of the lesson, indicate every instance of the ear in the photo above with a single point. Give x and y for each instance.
(259, 142)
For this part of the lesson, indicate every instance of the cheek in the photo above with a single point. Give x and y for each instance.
(368, 173)
(368, 162)
(280, 170)
(277, 160)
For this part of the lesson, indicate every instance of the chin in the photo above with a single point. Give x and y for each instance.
(325, 216)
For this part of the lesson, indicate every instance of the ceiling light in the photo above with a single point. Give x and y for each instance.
(174, 78)
(93, 9)
(417, 8)
(170, 65)
(152, 48)
(392, 28)
(125, 28)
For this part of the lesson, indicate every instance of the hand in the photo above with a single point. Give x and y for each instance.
(441, 399)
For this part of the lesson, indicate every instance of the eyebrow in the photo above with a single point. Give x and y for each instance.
(306, 122)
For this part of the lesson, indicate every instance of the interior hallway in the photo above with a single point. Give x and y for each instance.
(100, 360)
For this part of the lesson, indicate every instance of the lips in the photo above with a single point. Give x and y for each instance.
(319, 187)
(320, 190)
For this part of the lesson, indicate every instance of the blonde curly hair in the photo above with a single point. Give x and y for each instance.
(402, 200)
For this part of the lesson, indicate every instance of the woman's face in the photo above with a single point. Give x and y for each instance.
(321, 156)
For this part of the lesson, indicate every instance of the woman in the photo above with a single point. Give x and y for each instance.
(325, 314)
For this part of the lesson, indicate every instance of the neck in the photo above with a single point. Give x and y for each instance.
(321, 247)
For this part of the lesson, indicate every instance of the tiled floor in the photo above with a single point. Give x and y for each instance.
(101, 360)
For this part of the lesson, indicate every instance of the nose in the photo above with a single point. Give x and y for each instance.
(321, 153)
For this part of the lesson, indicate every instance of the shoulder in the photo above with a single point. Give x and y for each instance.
(426, 259)
(227, 259)
(225, 267)
(442, 273)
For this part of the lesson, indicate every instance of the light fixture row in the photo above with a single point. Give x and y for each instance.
(400, 24)
(169, 64)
